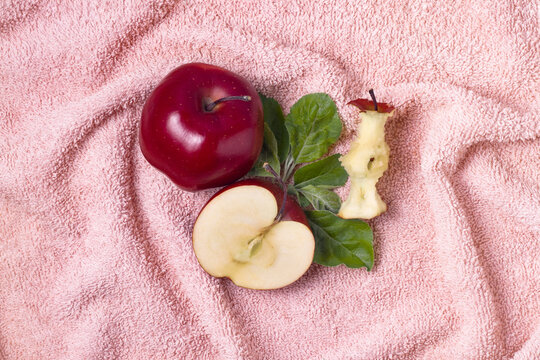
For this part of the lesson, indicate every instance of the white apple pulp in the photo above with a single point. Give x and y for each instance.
(365, 162)
(235, 236)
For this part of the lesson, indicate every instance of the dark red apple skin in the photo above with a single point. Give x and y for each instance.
(292, 211)
(369, 105)
(195, 148)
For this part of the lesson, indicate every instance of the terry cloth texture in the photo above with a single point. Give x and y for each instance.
(96, 260)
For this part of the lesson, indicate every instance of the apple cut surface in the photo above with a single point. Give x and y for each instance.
(235, 236)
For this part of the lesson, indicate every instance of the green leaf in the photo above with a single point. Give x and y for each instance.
(268, 154)
(321, 198)
(303, 201)
(341, 241)
(273, 116)
(313, 125)
(291, 190)
(327, 173)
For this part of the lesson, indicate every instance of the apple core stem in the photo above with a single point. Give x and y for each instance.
(212, 105)
(269, 168)
(372, 94)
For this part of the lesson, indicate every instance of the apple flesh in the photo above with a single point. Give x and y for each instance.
(202, 126)
(236, 235)
(366, 161)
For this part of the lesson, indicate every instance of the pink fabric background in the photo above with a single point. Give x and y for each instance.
(96, 260)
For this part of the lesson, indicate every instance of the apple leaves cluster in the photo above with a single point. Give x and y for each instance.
(293, 146)
(276, 138)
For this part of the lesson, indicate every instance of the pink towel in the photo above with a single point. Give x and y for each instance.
(96, 260)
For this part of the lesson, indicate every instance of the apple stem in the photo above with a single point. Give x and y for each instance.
(269, 168)
(372, 94)
(212, 105)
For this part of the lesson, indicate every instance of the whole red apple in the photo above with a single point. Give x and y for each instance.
(202, 126)
(245, 234)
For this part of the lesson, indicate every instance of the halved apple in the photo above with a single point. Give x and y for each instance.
(237, 235)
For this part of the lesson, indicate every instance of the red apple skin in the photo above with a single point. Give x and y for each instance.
(369, 105)
(292, 210)
(195, 148)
